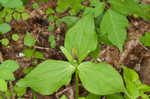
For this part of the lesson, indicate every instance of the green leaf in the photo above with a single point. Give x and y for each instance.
(38, 55)
(28, 70)
(67, 54)
(128, 7)
(20, 9)
(9, 65)
(98, 10)
(7, 68)
(17, 16)
(48, 76)
(132, 81)
(20, 91)
(51, 18)
(15, 37)
(50, 11)
(4, 28)
(3, 1)
(114, 25)
(94, 2)
(28, 53)
(96, 53)
(145, 96)
(63, 97)
(130, 75)
(115, 96)
(100, 78)
(146, 39)
(80, 36)
(82, 98)
(29, 40)
(35, 6)
(51, 40)
(76, 6)
(69, 20)
(8, 18)
(4, 41)
(25, 16)
(51, 28)
(3, 85)
(6, 74)
(63, 5)
(144, 88)
(12, 3)
(92, 96)
(31, 52)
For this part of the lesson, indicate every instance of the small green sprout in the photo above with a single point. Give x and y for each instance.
(52, 41)
(35, 6)
(15, 37)
(4, 41)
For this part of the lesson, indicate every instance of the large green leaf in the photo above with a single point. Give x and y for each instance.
(114, 25)
(128, 7)
(7, 68)
(12, 3)
(48, 76)
(92, 96)
(80, 36)
(100, 78)
(3, 1)
(6, 74)
(9, 65)
(115, 96)
(4, 28)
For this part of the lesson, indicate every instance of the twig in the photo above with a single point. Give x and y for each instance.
(1, 57)
(41, 48)
(64, 90)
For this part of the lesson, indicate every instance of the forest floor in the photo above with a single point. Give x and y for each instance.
(134, 55)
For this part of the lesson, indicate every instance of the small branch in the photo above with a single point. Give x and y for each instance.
(65, 90)
(41, 48)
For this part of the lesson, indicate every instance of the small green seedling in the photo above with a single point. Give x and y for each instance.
(50, 11)
(135, 88)
(29, 40)
(33, 53)
(51, 40)
(7, 14)
(4, 41)
(15, 37)
(4, 28)
(35, 6)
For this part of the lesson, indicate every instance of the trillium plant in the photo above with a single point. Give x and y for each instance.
(97, 78)
(103, 21)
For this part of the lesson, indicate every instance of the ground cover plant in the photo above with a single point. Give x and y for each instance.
(54, 49)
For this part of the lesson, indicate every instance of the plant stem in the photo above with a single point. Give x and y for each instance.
(77, 84)
(11, 90)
